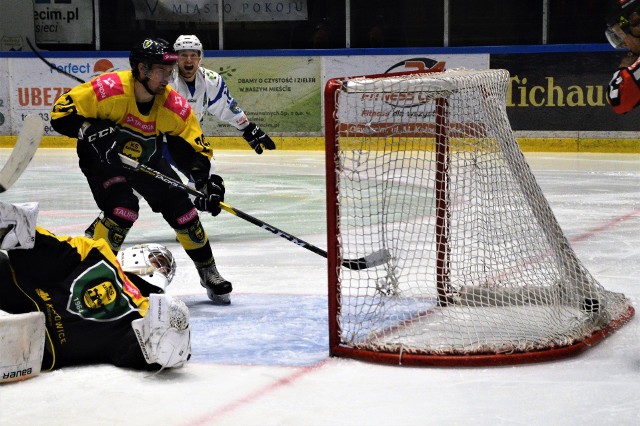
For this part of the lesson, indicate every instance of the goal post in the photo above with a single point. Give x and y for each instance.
(425, 167)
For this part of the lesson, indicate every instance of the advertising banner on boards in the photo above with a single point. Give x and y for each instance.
(549, 92)
(355, 65)
(35, 86)
(281, 94)
(5, 110)
(562, 91)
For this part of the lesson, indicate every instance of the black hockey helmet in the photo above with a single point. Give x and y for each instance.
(152, 51)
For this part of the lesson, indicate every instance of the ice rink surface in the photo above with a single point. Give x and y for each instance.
(264, 359)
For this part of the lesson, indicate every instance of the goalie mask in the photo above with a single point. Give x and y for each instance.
(164, 334)
(621, 20)
(152, 262)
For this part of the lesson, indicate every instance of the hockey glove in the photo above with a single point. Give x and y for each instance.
(213, 190)
(102, 137)
(257, 138)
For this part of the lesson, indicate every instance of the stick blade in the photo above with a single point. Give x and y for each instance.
(369, 261)
(26, 146)
(129, 162)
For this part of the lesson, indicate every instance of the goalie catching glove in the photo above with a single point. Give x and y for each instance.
(164, 334)
(102, 137)
(257, 138)
(213, 190)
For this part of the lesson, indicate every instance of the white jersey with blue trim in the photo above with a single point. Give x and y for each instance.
(209, 93)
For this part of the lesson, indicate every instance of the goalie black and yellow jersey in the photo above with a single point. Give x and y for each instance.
(88, 301)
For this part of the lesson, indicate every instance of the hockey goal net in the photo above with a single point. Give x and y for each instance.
(424, 168)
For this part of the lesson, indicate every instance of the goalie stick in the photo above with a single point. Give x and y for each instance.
(50, 65)
(374, 259)
(24, 150)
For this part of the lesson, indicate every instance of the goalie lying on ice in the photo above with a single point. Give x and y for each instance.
(96, 309)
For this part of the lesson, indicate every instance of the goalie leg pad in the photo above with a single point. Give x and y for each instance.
(22, 338)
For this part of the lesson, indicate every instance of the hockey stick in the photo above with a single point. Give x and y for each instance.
(369, 261)
(24, 150)
(50, 65)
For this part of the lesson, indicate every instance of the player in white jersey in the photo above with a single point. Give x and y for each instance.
(207, 92)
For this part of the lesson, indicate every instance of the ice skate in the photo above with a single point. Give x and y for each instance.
(218, 289)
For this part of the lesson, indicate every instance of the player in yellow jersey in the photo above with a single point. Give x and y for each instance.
(127, 112)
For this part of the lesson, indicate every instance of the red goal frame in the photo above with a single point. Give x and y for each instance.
(336, 346)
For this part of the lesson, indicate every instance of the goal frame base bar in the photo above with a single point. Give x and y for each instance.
(481, 360)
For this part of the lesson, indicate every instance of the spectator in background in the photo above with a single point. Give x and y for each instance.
(623, 32)
(321, 37)
(376, 33)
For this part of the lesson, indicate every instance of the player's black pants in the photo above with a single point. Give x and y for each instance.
(113, 190)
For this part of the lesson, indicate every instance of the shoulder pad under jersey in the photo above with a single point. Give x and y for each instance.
(211, 75)
(177, 104)
(107, 85)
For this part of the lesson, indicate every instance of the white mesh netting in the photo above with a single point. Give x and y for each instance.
(478, 263)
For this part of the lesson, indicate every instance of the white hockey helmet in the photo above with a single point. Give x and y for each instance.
(152, 262)
(188, 42)
(164, 333)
